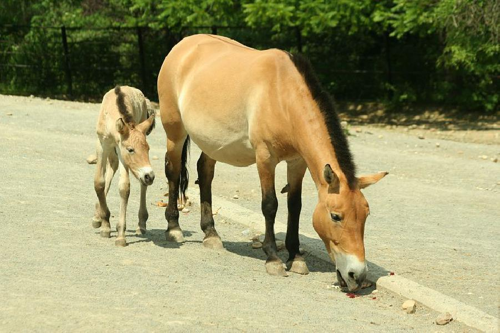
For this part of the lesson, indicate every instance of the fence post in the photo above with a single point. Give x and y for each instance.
(298, 34)
(389, 64)
(214, 30)
(67, 64)
(141, 59)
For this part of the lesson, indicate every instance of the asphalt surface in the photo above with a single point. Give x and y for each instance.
(430, 222)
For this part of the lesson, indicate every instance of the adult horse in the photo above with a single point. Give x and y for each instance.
(243, 106)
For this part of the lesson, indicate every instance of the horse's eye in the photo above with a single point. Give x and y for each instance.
(130, 150)
(335, 217)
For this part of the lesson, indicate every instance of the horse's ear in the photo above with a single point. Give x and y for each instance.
(147, 125)
(331, 178)
(121, 127)
(365, 181)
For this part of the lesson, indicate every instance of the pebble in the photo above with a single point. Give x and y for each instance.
(410, 306)
(185, 210)
(9, 114)
(92, 159)
(380, 136)
(494, 160)
(438, 145)
(444, 318)
(375, 291)
(484, 157)
(245, 232)
(280, 245)
(236, 196)
(358, 130)
(256, 245)
(155, 157)
(421, 137)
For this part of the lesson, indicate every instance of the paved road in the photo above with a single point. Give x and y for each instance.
(57, 274)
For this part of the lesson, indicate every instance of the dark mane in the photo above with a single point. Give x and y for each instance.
(120, 102)
(327, 107)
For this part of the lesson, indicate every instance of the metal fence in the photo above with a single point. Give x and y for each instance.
(83, 63)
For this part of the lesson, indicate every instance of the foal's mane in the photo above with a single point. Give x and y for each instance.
(326, 105)
(120, 102)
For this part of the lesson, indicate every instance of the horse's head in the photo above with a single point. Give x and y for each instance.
(134, 149)
(339, 219)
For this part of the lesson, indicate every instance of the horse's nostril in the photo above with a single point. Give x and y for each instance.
(146, 177)
(351, 275)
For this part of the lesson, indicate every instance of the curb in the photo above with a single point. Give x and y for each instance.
(397, 284)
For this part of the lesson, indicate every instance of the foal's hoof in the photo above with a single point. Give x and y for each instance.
(213, 243)
(275, 268)
(298, 266)
(121, 242)
(105, 233)
(140, 231)
(96, 223)
(174, 236)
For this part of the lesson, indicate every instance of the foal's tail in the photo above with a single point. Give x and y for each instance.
(184, 180)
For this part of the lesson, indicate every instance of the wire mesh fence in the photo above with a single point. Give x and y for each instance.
(83, 63)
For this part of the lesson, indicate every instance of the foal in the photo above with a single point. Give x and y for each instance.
(126, 117)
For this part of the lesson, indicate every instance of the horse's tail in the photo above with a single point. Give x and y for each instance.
(184, 179)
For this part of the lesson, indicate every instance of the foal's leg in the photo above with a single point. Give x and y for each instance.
(295, 175)
(111, 167)
(102, 212)
(173, 173)
(266, 165)
(124, 186)
(206, 167)
(143, 212)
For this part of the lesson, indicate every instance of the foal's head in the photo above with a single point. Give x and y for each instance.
(339, 219)
(134, 149)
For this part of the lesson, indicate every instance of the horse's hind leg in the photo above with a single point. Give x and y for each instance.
(266, 165)
(111, 167)
(173, 165)
(102, 213)
(295, 174)
(206, 167)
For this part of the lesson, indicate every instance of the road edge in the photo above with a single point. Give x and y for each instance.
(397, 284)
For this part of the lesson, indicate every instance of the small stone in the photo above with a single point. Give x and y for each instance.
(92, 159)
(444, 318)
(494, 159)
(343, 124)
(155, 157)
(375, 291)
(421, 137)
(358, 130)
(9, 114)
(236, 196)
(185, 210)
(245, 232)
(438, 145)
(410, 306)
(280, 245)
(256, 245)
(256, 238)
(380, 136)
(484, 157)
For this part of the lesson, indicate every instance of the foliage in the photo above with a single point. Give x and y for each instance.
(403, 51)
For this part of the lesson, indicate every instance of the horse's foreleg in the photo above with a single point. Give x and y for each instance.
(143, 212)
(111, 167)
(206, 167)
(295, 174)
(266, 166)
(124, 186)
(101, 218)
(173, 172)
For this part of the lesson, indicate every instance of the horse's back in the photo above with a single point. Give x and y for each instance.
(216, 88)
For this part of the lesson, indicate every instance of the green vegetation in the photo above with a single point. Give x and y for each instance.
(400, 52)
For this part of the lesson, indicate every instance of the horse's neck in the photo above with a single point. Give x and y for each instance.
(314, 144)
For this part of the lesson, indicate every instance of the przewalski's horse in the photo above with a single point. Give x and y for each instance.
(243, 106)
(125, 119)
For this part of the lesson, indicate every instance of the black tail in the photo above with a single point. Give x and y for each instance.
(184, 181)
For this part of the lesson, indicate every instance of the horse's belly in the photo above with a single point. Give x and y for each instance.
(223, 146)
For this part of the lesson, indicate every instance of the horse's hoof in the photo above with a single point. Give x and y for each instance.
(96, 223)
(298, 266)
(174, 236)
(275, 268)
(105, 233)
(213, 243)
(121, 242)
(140, 231)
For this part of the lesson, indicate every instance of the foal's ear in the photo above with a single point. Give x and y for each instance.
(147, 125)
(121, 127)
(332, 179)
(365, 181)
